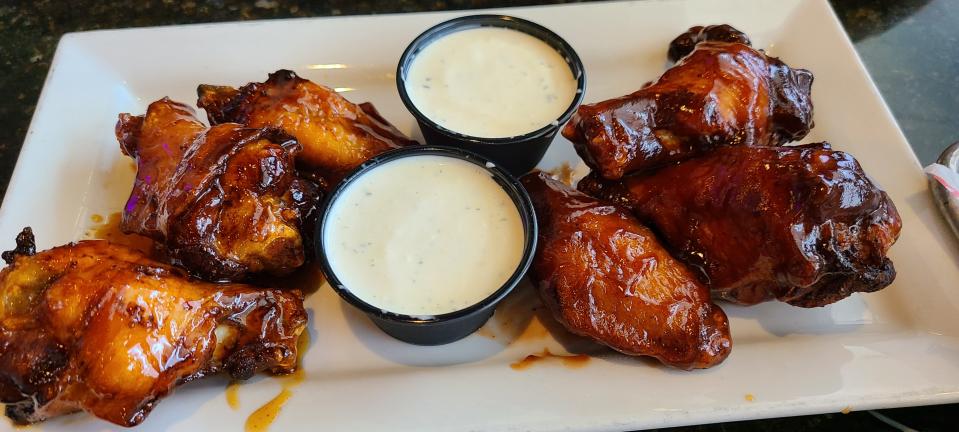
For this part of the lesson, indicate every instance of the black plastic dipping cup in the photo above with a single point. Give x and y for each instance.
(447, 327)
(518, 154)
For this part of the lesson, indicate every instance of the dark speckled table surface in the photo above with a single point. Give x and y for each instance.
(910, 47)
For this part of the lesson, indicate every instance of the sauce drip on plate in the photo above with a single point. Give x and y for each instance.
(264, 416)
(108, 228)
(572, 361)
(233, 395)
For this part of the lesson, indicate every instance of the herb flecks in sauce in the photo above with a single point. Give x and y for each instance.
(490, 82)
(424, 235)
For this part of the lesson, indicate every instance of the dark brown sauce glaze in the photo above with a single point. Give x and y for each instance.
(336, 134)
(571, 361)
(801, 224)
(225, 202)
(686, 42)
(722, 94)
(605, 276)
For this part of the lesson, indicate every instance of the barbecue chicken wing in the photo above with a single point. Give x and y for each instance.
(225, 202)
(336, 134)
(605, 276)
(803, 225)
(722, 94)
(686, 42)
(99, 327)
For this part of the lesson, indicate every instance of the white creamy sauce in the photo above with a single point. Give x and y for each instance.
(424, 235)
(490, 82)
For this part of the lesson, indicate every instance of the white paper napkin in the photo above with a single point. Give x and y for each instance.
(948, 178)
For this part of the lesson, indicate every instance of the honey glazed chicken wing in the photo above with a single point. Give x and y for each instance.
(605, 276)
(336, 134)
(225, 202)
(99, 327)
(722, 94)
(803, 224)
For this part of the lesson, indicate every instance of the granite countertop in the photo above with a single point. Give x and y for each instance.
(910, 47)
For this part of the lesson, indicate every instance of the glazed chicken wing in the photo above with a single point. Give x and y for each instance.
(336, 134)
(605, 276)
(99, 327)
(225, 202)
(686, 42)
(803, 225)
(722, 94)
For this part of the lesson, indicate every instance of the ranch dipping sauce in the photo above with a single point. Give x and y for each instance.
(423, 235)
(490, 82)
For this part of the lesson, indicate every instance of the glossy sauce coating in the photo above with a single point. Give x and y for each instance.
(722, 94)
(224, 202)
(605, 276)
(686, 42)
(100, 327)
(803, 225)
(336, 134)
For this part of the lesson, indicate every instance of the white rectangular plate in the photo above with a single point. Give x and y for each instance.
(894, 348)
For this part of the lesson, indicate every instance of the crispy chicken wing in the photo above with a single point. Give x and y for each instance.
(803, 225)
(605, 276)
(225, 201)
(99, 327)
(336, 134)
(722, 94)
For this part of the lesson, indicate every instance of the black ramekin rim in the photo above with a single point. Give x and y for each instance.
(450, 26)
(510, 184)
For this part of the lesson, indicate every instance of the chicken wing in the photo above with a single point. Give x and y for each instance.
(336, 134)
(99, 327)
(605, 276)
(225, 202)
(686, 42)
(722, 94)
(803, 225)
